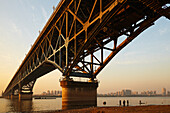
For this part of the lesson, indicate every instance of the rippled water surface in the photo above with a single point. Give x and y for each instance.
(7, 105)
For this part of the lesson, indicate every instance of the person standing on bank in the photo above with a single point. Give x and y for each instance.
(123, 102)
(120, 103)
(127, 102)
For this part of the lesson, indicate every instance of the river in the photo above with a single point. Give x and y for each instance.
(7, 105)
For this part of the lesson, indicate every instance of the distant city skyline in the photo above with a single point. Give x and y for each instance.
(123, 92)
(52, 93)
(129, 92)
(142, 65)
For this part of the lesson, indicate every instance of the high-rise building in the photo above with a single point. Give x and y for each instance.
(154, 92)
(44, 93)
(126, 92)
(60, 92)
(143, 93)
(135, 93)
(123, 93)
(168, 93)
(48, 92)
(52, 93)
(55, 92)
(163, 91)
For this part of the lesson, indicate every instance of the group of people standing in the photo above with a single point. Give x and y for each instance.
(120, 103)
(124, 103)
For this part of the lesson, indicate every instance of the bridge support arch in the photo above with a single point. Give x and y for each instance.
(78, 94)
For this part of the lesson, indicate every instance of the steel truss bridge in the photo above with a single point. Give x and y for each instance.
(75, 38)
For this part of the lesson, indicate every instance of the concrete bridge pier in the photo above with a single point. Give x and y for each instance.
(78, 94)
(14, 96)
(7, 97)
(20, 96)
(25, 96)
(25, 91)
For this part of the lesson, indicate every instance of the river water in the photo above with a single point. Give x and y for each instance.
(7, 105)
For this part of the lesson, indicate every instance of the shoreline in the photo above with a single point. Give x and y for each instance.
(138, 96)
(114, 109)
(34, 96)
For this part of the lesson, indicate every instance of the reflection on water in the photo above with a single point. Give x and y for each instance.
(7, 105)
(21, 106)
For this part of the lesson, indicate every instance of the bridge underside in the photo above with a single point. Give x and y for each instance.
(81, 37)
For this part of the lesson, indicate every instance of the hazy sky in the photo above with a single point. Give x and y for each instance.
(142, 65)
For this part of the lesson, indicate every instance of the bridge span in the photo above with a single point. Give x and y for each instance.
(74, 41)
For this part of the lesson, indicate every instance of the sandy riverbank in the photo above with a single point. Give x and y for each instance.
(130, 109)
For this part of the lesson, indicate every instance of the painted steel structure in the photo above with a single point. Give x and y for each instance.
(76, 36)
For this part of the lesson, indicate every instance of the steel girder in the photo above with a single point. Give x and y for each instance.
(75, 38)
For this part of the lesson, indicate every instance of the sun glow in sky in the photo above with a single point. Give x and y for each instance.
(142, 65)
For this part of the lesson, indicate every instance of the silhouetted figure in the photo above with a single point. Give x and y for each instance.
(140, 102)
(104, 103)
(127, 102)
(120, 103)
(123, 102)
